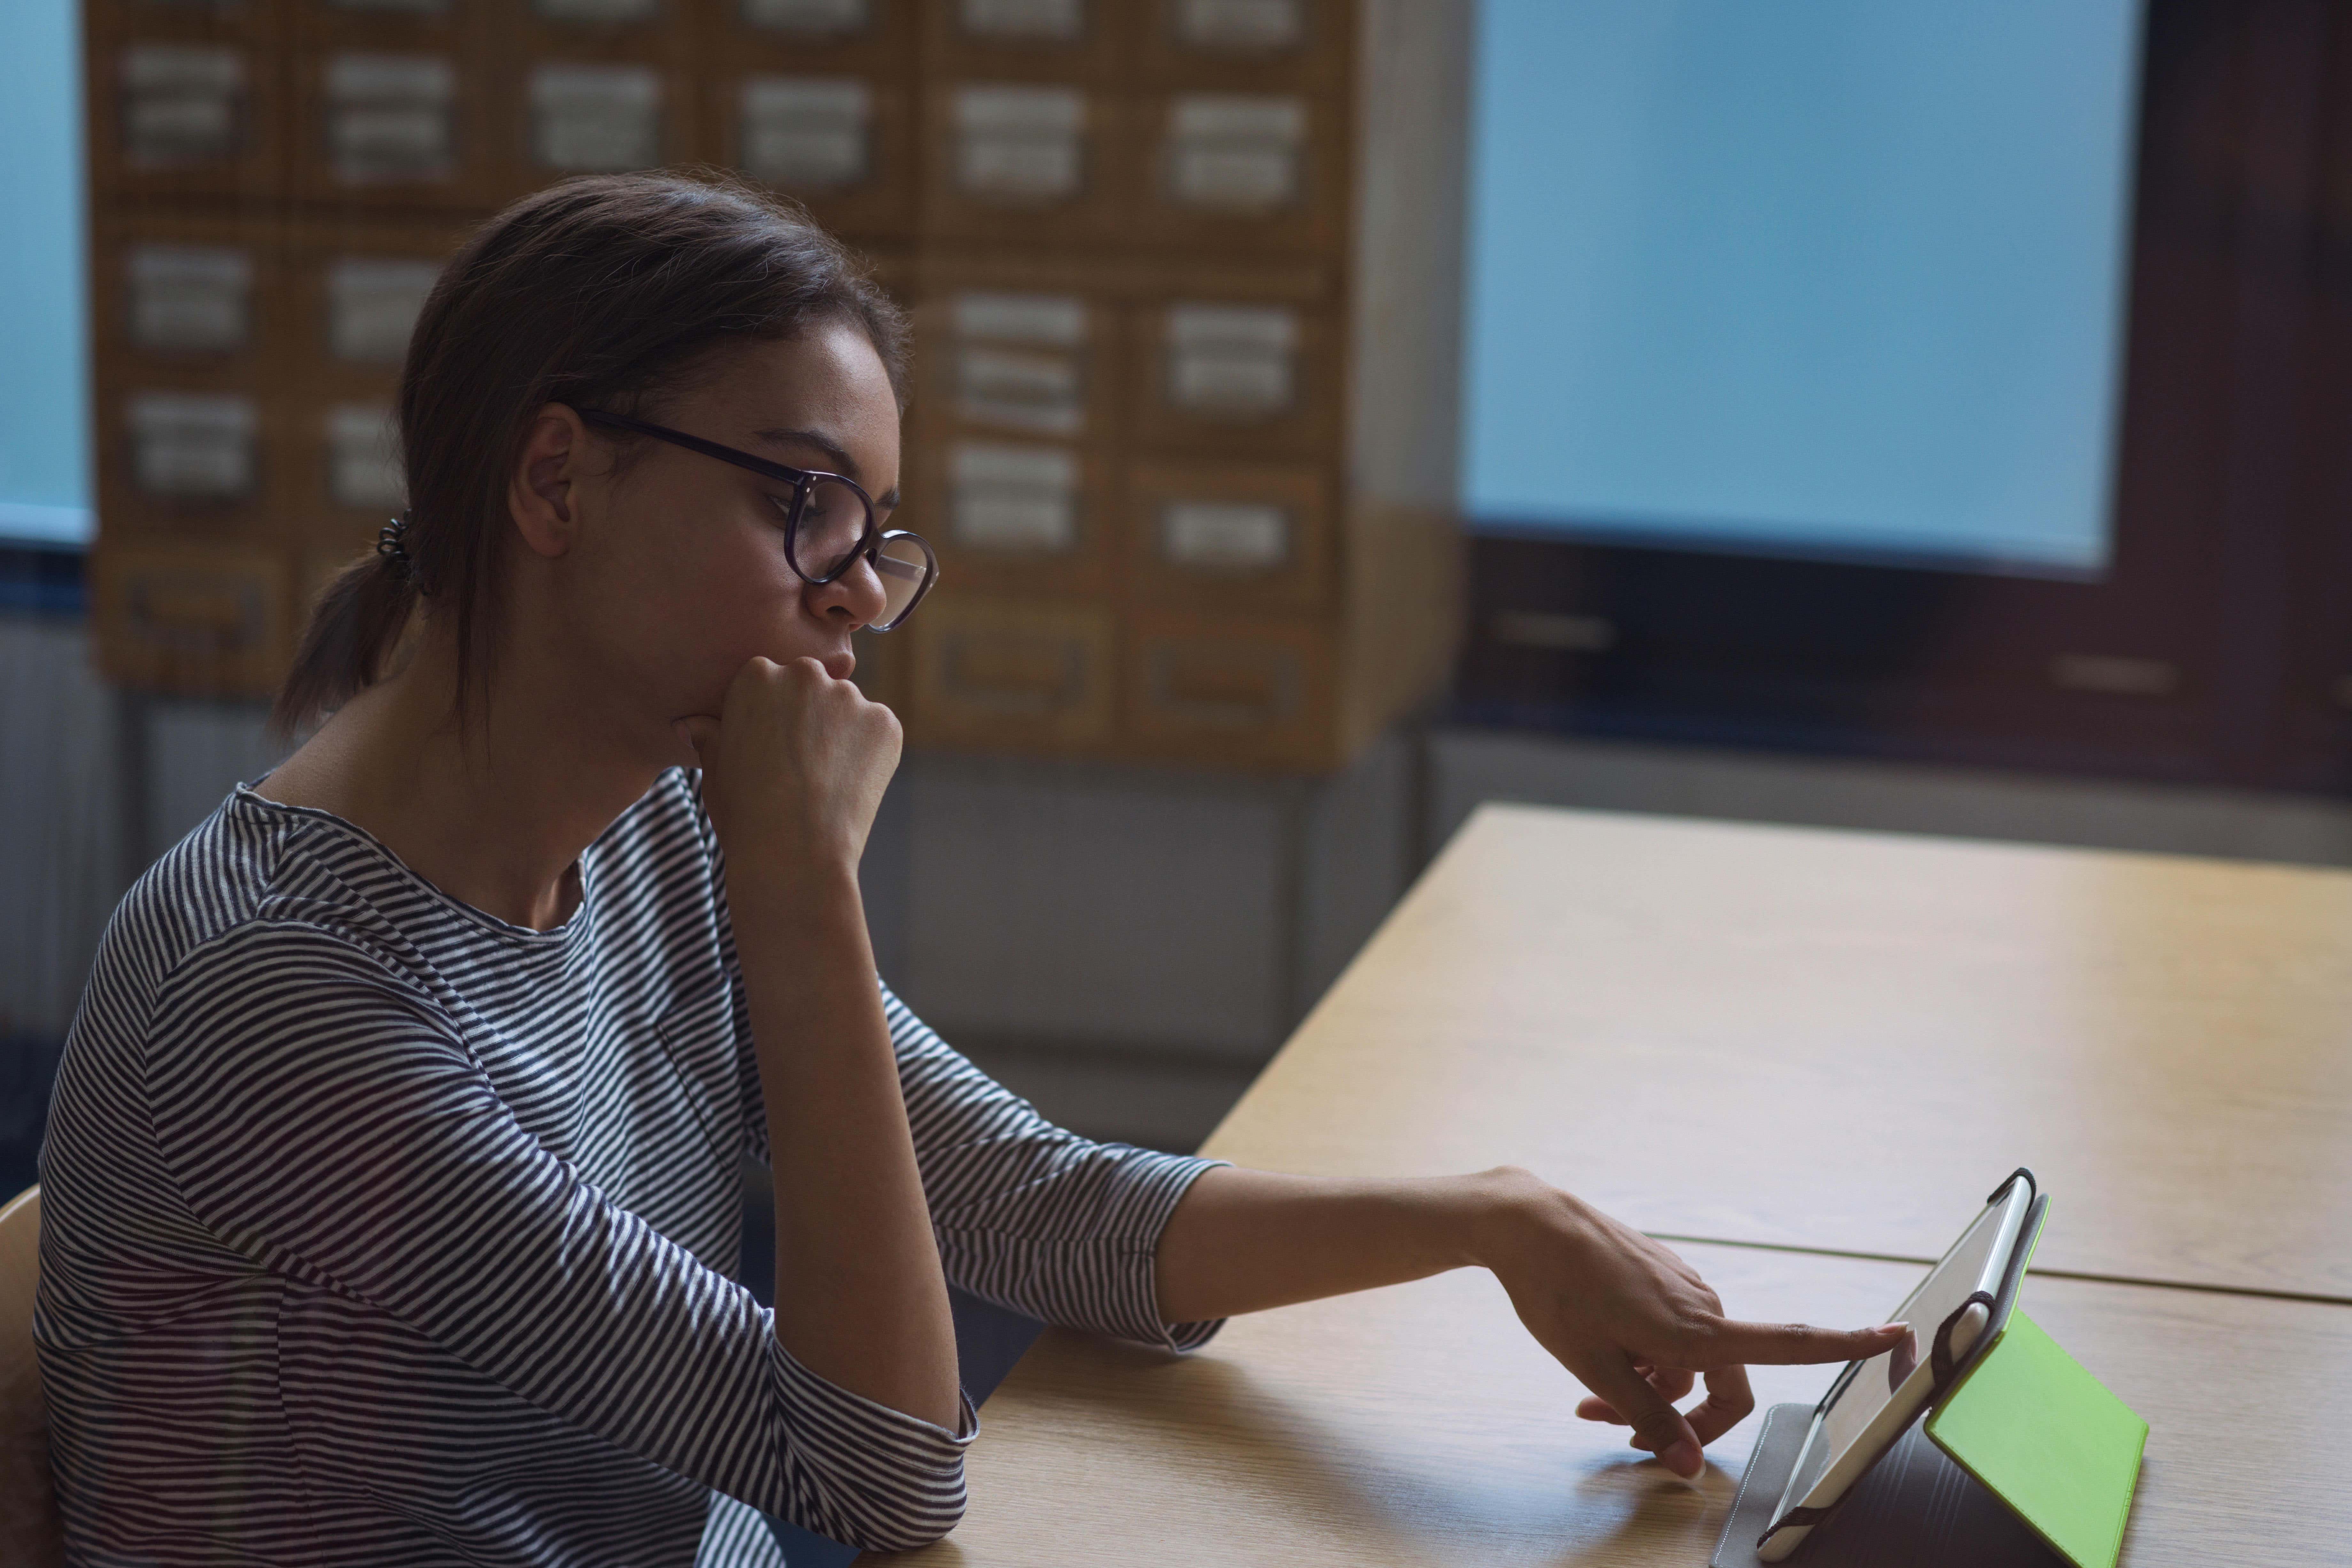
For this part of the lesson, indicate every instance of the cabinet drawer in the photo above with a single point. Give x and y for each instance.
(1003, 673)
(1214, 170)
(1247, 691)
(186, 100)
(355, 291)
(1227, 537)
(1232, 374)
(189, 456)
(201, 620)
(842, 142)
(1057, 40)
(392, 107)
(1296, 45)
(1030, 362)
(1022, 161)
(170, 292)
(877, 40)
(573, 95)
(1013, 517)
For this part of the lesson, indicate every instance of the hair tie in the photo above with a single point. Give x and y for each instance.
(392, 544)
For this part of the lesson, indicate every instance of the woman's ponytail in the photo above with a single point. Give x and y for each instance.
(353, 629)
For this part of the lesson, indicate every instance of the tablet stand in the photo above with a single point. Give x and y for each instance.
(2024, 1460)
(1914, 1506)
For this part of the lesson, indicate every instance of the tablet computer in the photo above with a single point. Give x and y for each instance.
(1872, 1402)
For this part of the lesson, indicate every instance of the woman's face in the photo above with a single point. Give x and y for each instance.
(681, 569)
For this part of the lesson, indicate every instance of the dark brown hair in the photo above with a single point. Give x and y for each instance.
(600, 293)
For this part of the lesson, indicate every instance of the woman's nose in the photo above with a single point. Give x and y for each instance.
(856, 595)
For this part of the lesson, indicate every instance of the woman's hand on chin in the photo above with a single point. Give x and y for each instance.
(793, 768)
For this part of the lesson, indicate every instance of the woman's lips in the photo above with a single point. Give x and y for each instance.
(840, 664)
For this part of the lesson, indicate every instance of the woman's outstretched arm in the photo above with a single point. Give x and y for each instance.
(1633, 1322)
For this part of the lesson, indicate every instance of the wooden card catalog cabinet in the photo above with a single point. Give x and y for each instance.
(1239, 449)
(1179, 270)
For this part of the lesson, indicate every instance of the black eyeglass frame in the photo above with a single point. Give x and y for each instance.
(803, 481)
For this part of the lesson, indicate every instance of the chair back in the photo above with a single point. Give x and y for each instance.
(30, 1532)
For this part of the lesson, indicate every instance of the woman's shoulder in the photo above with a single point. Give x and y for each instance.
(252, 867)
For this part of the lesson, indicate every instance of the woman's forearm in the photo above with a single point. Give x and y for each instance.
(1244, 1240)
(859, 1296)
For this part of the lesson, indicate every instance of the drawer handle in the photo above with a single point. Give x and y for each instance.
(1014, 674)
(1204, 687)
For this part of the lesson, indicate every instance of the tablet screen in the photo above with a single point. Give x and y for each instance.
(1866, 1388)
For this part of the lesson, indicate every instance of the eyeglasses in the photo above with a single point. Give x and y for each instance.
(828, 524)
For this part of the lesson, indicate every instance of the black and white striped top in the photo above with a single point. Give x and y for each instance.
(377, 1230)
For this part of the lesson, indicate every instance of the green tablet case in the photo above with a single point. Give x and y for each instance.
(2025, 1459)
(2047, 1439)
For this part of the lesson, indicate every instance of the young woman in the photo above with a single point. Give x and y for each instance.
(390, 1197)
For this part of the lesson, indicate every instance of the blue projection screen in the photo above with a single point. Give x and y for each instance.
(44, 357)
(1834, 276)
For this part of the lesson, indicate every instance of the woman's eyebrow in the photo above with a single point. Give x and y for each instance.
(835, 453)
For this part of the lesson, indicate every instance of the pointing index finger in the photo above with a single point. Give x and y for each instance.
(1793, 1344)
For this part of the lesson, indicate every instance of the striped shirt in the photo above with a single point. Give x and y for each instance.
(375, 1229)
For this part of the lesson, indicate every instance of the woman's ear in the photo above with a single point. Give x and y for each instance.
(542, 493)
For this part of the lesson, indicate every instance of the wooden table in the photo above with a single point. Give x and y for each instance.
(1420, 1425)
(1623, 1003)
(1639, 1008)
